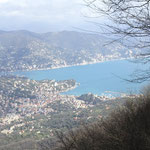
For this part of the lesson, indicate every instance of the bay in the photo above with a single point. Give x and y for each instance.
(100, 78)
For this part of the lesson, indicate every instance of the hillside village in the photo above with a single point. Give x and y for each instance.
(27, 97)
(32, 51)
(30, 108)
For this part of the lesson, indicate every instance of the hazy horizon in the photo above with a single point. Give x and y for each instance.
(45, 15)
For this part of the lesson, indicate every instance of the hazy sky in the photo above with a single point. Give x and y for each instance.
(43, 15)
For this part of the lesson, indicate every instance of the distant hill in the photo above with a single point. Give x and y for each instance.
(24, 50)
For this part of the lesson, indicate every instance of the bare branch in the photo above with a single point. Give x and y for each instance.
(128, 20)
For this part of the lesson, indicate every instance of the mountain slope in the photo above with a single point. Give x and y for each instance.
(24, 50)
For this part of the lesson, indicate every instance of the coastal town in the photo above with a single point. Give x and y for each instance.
(27, 97)
(39, 53)
(31, 108)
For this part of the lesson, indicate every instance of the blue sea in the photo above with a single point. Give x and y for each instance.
(101, 78)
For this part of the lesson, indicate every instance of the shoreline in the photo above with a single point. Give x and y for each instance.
(88, 64)
(67, 66)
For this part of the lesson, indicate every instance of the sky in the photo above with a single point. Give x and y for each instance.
(44, 15)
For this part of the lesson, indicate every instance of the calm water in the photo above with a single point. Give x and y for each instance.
(94, 78)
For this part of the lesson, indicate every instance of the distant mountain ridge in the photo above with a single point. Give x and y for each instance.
(25, 50)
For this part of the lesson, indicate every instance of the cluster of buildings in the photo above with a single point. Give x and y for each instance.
(24, 96)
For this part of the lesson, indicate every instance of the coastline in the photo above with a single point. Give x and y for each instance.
(67, 66)
(73, 68)
(72, 88)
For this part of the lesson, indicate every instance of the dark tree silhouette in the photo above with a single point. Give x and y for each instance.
(127, 128)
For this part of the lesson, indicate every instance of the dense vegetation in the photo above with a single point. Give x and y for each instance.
(127, 128)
